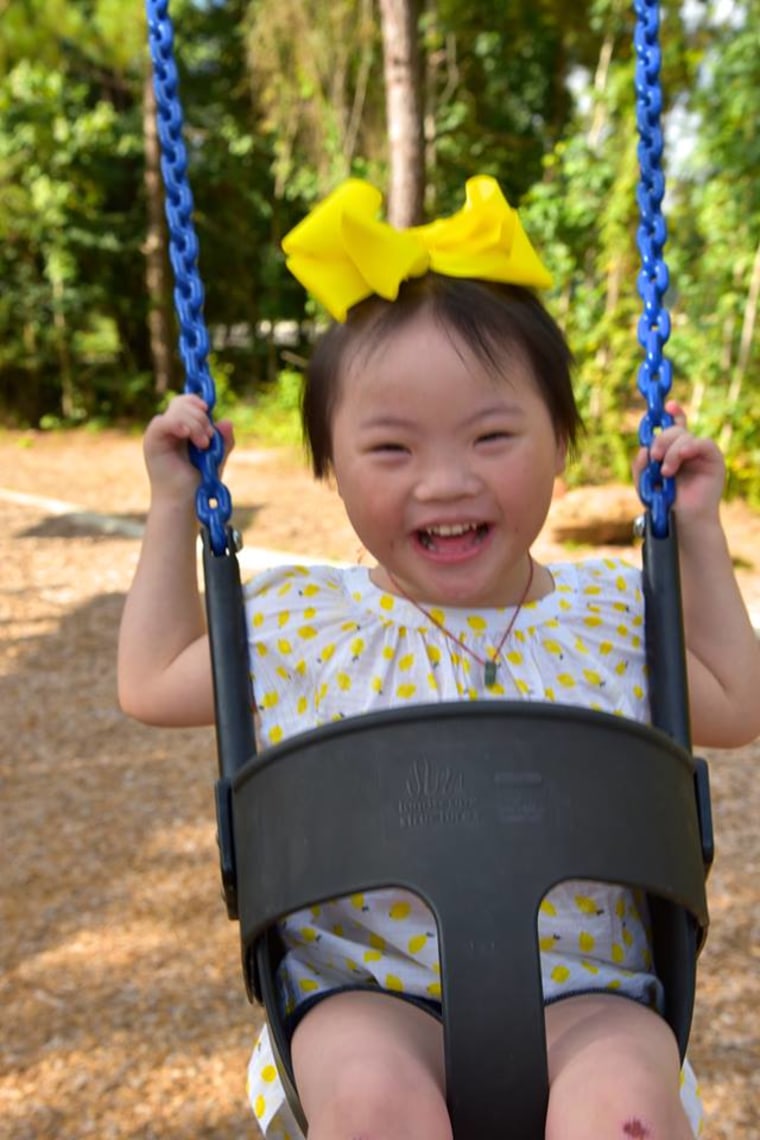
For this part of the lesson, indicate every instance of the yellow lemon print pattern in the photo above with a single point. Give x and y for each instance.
(327, 644)
(335, 646)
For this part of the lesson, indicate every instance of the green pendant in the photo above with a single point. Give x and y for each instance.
(490, 674)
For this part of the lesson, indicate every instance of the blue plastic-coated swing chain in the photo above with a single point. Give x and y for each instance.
(655, 373)
(213, 503)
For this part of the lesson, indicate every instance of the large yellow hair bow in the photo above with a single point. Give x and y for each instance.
(342, 252)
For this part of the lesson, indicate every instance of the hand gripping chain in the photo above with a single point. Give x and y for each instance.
(655, 373)
(213, 503)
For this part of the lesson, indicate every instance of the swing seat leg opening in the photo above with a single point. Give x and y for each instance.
(506, 776)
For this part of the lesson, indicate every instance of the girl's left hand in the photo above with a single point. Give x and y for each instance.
(697, 465)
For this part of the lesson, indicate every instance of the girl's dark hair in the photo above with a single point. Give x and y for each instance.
(492, 320)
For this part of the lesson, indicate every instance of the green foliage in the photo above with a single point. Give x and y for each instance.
(716, 248)
(498, 96)
(272, 418)
(317, 73)
(276, 414)
(58, 186)
(283, 98)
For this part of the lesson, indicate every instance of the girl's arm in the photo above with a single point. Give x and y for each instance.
(722, 649)
(164, 668)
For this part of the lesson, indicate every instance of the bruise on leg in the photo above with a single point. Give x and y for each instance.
(635, 1130)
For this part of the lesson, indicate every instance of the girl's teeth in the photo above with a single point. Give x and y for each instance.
(431, 534)
(449, 531)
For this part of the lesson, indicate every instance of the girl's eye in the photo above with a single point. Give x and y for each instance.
(388, 448)
(494, 436)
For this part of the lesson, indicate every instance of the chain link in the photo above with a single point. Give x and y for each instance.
(655, 372)
(213, 503)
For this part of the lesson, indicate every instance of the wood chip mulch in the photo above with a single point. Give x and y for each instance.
(123, 1009)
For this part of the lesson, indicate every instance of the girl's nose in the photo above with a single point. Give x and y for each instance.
(444, 477)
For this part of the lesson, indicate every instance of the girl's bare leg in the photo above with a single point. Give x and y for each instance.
(614, 1072)
(370, 1067)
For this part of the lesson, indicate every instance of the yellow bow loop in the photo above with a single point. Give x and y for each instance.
(485, 239)
(341, 252)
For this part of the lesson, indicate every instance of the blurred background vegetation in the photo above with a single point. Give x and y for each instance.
(283, 98)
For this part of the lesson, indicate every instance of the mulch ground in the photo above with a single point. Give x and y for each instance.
(123, 1010)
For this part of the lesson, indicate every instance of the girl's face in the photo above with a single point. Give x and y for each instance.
(445, 470)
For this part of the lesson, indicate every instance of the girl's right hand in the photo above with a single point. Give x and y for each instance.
(185, 420)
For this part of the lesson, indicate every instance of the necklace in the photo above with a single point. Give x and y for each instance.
(490, 664)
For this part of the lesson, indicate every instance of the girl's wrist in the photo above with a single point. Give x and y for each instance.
(174, 502)
(700, 532)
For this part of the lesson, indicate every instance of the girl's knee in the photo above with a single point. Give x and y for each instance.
(371, 1066)
(621, 1106)
(608, 1027)
(614, 1071)
(376, 1100)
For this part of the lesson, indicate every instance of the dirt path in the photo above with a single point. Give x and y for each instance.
(123, 1008)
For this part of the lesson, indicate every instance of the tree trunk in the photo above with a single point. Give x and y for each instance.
(745, 347)
(442, 79)
(601, 77)
(157, 275)
(353, 124)
(68, 395)
(404, 108)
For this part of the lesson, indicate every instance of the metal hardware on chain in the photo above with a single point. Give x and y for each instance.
(655, 373)
(213, 504)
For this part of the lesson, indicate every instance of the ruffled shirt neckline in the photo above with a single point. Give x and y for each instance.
(476, 623)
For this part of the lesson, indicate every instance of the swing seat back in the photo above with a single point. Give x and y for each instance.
(479, 809)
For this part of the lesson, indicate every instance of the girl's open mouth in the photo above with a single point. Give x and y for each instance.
(453, 540)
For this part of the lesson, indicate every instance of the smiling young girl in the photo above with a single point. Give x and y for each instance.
(442, 405)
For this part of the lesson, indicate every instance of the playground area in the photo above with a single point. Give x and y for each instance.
(124, 1013)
